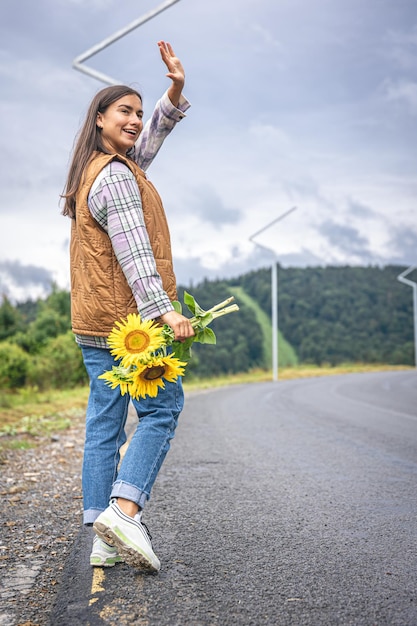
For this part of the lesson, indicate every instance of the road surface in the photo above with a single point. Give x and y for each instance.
(287, 503)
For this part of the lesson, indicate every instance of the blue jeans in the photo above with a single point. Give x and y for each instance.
(102, 478)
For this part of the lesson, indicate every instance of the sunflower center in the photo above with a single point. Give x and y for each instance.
(137, 341)
(152, 373)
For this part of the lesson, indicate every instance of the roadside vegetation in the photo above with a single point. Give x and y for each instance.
(332, 320)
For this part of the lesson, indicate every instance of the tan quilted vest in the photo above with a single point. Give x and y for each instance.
(100, 294)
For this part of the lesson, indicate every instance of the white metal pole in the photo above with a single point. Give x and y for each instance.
(274, 292)
(274, 316)
(415, 323)
(78, 61)
(402, 278)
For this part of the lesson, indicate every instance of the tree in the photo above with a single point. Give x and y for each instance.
(14, 366)
(59, 364)
(10, 319)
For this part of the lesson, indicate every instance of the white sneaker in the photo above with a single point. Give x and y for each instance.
(103, 555)
(129, 535)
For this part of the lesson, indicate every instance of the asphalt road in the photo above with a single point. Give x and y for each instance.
(288, 503)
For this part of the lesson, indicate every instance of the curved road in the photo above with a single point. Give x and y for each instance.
(289, 503)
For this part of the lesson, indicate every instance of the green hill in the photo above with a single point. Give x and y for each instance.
(287, 356)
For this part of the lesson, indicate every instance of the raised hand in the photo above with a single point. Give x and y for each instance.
(175, 71)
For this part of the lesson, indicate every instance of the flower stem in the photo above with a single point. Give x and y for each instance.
(216, 307)
(225, 311)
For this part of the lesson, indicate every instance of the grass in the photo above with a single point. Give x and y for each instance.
(28, 416)
(287, 356)
(290, 373)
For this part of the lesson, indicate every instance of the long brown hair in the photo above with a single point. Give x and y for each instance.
(89, 140)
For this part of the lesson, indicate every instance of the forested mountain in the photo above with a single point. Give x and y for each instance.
(336, 314)
(326, 315)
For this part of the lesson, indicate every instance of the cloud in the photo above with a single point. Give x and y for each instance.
(359, 209)
(346, 239)
(271, 136)
(306, 188)
(404, 243)
(208, 205)
(403, 92)
(191, 271)
(402, 48)
(265, 40)
(317, 112)
(24, 282)
(25, 274)
(99, 4)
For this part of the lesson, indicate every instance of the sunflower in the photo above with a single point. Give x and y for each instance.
(118, 376)
(148, 378)
(173, 367)
(132, 339)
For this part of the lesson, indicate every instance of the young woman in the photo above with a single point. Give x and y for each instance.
(121, 263)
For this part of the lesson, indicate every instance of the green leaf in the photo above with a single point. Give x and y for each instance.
(205, 320)
(192, 305)
(182, 349)
(206, 336)
(177, 306)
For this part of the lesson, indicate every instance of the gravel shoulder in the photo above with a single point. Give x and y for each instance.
(41, 516)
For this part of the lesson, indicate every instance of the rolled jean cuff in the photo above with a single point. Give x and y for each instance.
(128, 491)
(90, 516)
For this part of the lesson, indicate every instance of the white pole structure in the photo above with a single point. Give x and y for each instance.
(274, 291)
(78, 61)
(412, 284)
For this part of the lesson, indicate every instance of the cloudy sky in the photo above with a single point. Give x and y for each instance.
(306, 103)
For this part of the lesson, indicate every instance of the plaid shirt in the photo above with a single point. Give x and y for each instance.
(115, 203)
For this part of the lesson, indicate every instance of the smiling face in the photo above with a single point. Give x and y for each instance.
(121, 124)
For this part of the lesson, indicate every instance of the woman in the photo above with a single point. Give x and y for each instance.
(121, 263)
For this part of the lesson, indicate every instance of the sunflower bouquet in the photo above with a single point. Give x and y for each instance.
(149, 354)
